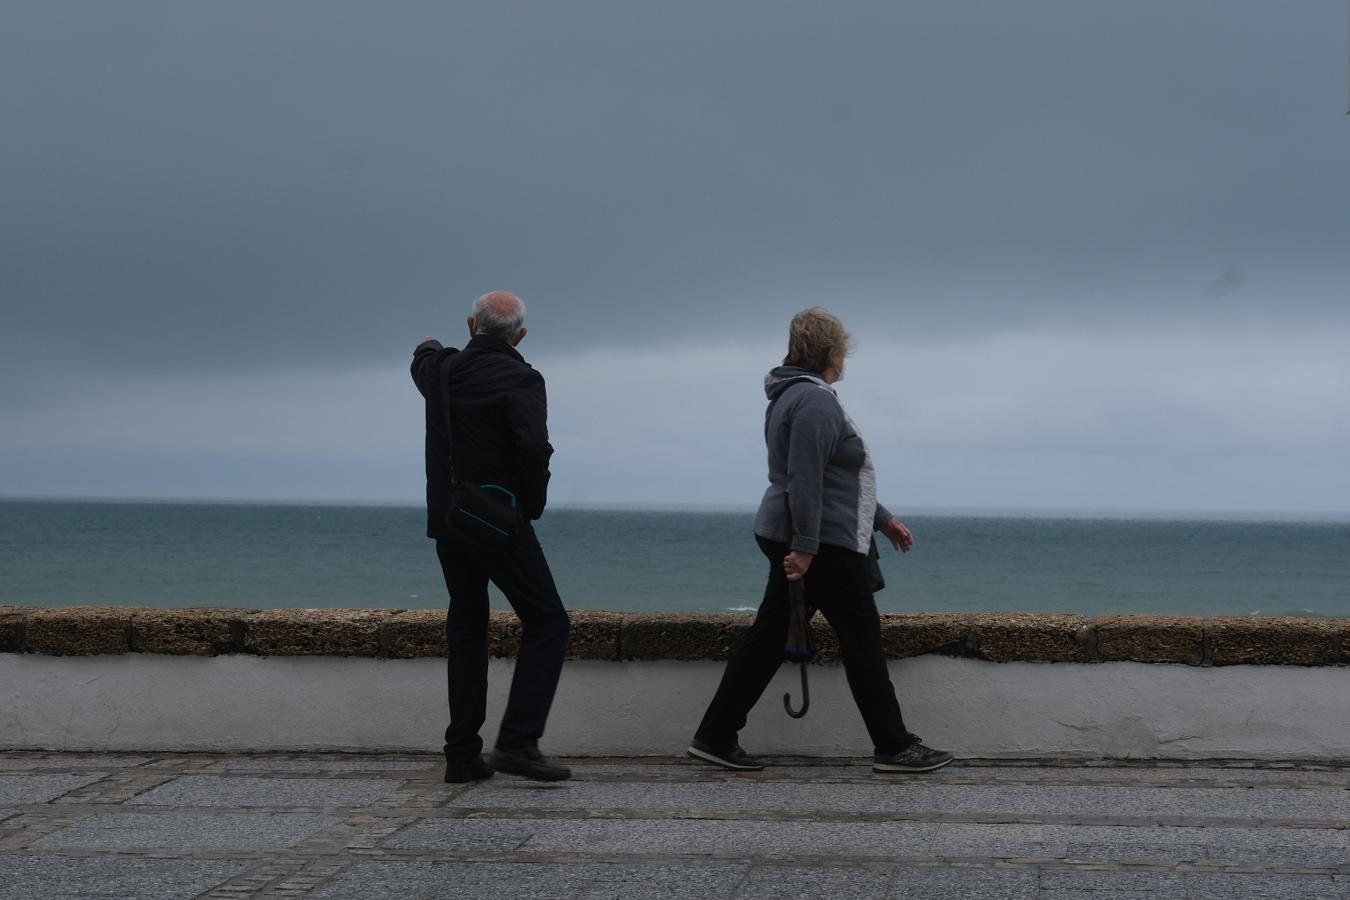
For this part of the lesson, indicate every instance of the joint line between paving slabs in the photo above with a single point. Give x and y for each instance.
(836, 860)
(846, 816)
(1181, 783)
(745, 876)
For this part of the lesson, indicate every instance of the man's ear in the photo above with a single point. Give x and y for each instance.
(473, 326)
(520, 336)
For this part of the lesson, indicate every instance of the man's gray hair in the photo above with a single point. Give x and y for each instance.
(499, 314)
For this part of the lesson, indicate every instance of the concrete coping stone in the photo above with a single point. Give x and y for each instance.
(600, 635)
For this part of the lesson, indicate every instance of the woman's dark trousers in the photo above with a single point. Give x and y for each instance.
(521, 573)
(839, 584)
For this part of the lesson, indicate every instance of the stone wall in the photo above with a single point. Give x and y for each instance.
(122, 678)
(413, 634)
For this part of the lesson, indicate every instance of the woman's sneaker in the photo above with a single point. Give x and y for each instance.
(728, 756)
(915, 758)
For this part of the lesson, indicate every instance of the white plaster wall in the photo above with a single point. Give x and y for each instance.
(975, 708)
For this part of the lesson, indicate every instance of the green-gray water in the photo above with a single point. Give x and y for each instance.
(178, 554)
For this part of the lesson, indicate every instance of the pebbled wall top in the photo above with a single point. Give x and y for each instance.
(409, 634)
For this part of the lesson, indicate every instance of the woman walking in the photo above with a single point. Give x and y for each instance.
(819, 461)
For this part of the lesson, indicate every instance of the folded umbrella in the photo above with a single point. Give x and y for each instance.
(801, 644)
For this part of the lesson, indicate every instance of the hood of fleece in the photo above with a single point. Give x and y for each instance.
(780, 377)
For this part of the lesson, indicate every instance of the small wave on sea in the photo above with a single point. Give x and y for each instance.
(741, 608)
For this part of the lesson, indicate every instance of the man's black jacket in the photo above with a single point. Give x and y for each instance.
(499, 413)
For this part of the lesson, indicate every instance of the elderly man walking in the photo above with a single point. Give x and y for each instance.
(487, 437)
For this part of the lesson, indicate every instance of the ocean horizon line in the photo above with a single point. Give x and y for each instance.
(981, 512)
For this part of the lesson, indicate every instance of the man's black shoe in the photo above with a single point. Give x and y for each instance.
(475, 770)
(915, 758)
(728, 756)
(528, 763)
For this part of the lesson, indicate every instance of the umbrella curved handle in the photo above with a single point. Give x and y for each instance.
(806, 698)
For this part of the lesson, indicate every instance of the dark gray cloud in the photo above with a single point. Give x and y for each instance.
(315, 184)
(1095, 254)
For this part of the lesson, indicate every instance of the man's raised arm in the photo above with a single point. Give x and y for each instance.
(423, 363)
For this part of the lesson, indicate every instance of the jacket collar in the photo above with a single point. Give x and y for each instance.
(492, 344)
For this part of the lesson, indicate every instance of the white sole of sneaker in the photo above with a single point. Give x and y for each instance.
(719, 761)
(884, 769)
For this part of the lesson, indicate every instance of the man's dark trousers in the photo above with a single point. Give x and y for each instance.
(521, 573)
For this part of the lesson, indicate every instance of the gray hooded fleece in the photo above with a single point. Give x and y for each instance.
(818, 458)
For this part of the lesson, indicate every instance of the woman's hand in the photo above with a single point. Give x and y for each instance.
(900, 536)
(796, 563)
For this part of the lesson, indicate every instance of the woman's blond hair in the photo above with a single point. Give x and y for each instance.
(816, 340)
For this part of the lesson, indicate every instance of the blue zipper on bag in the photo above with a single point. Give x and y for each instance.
(464, 512)
(498, 487)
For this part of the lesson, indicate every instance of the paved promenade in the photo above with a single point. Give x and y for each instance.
(214, 825)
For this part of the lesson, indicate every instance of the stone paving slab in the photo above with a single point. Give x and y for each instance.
(912, 796)
(28, 877)
(40, 788)
(21, 762)
(1221, 886)
(454, 879)
(1199, 776)
(213, 790)
(967, 883)
(466, 835)
(341, 764)
(1305, 846)
(115, 831)
(760, 838)
(1078, 883)
(814, 882)
(693, 771)
(372, 826)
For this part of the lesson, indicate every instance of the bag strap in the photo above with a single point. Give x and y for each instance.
(787, 502)
(445, 406)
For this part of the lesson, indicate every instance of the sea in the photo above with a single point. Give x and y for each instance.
(254, 555)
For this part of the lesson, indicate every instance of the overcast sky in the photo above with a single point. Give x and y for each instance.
(1095, 254)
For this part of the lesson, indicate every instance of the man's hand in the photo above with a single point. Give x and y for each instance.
(900, 536)
(796, 563)
(425, 339)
